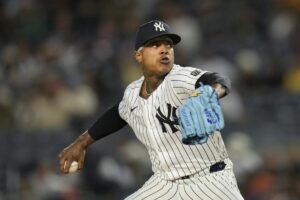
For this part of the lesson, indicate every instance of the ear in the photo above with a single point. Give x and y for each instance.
(138, 56)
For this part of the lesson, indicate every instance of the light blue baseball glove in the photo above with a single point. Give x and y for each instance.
(200, 116)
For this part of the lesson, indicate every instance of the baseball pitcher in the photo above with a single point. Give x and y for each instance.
(175, 112)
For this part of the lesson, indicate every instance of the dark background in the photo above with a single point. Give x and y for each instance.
(63, 63)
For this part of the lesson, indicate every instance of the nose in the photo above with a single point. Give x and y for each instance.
(164, 49)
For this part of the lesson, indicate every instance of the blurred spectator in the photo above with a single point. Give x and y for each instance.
(6, 107)
(246, 160)
(250, 64)
(46, 184)
(53, 104)
(233, 107)
(277, 179)
(291, 81)
(210, 60)
(138, 161)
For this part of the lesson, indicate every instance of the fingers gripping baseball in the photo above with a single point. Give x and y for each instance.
(71, 159)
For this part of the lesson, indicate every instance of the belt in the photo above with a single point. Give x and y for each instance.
(219, 166)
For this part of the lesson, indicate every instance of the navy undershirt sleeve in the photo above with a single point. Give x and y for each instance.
(107, 123)
(210, 78)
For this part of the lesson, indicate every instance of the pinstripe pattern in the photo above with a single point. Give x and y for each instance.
(209, 187)
(154, 123)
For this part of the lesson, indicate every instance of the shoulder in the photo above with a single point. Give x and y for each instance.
(130, 95)
(135, 84)
(190, 72)
(133, 87)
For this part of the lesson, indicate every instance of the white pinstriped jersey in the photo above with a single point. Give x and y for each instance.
(154, 121)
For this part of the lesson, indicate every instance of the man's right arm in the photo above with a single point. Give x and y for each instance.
(106, 124)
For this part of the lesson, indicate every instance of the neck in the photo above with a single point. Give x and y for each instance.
(151, 84)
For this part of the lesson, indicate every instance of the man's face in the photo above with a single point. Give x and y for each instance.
(156, 57)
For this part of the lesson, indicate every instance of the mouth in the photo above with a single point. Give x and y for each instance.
(165, 60)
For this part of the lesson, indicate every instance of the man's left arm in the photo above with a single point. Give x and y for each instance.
(220, 83)
(201, 115)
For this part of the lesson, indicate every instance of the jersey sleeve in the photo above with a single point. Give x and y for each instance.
(124, 108)
(184, 80)
(107, 123)
(112, 120)
(209, 78)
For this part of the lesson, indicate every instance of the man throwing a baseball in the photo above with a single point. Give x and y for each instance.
(175, 112)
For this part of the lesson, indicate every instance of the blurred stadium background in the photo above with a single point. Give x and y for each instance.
(64, 62)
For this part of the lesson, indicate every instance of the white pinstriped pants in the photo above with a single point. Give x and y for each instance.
(219, 185)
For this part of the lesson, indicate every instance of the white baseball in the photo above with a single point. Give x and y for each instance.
(73, 167)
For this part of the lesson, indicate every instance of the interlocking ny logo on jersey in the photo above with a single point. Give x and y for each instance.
(171, 118)
(159, 26)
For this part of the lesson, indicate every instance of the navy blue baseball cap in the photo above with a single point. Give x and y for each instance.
(154, 29)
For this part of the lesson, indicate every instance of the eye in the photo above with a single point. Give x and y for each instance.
(154, 45)
(170, 45)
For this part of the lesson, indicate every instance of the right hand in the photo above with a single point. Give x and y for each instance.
(74, 152)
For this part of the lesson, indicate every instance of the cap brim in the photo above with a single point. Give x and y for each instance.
(174, 37)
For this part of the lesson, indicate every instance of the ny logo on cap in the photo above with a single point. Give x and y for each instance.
(159, 26)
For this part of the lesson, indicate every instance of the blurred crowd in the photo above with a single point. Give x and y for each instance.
(63, 63)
